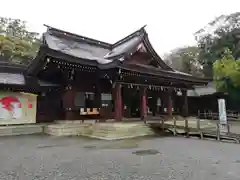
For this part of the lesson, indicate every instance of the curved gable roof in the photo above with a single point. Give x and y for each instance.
(86, 51)
(103, 53)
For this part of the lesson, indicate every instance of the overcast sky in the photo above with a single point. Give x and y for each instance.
(170, 23)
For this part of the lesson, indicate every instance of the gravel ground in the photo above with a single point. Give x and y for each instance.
(54, 158)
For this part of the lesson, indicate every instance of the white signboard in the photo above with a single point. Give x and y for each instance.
(222, 111)
(222, 115)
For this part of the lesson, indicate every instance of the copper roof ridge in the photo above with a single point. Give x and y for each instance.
(82, 38)
(126, 38)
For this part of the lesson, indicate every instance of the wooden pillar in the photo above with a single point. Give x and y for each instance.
(143, 109)
(98, 94)
(68, 103)
(170, 102)
(185, 103)
(154, 104)
(118, 102)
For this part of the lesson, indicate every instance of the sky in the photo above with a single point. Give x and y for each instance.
(170, 23)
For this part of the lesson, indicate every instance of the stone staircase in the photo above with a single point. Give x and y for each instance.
(106, 131)
(114, 131)
(60, 129)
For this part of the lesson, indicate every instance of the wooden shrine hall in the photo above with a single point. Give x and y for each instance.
(88, 78)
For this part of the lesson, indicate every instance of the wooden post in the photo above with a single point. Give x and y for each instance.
(185, 104)
(198, 124)
(186, 127)
(212, 115)
(228, 128)
(205, 114)
(174, 126)
(162, 124)
(143, 112)
(218, 132)
(98, 100)
(199, 128)
(170, 103)
(185, 112)
(98, 94)
(118, 102)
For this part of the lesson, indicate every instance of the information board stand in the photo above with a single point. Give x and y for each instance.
(223, 124)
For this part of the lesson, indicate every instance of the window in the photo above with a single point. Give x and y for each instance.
(79, 100)
(106, 100)
(90, 101)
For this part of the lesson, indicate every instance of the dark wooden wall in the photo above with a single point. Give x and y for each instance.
(49, 107)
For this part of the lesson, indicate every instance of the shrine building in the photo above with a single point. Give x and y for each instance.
(80, 78)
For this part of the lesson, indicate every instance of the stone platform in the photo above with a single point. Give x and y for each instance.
(13, 130)
(105, 131)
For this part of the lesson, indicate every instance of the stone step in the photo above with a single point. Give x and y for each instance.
(121, 130)
(117, 133)
(121, 133)
(99, 130)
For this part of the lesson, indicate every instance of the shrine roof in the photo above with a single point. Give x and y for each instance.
(72, 48)
(76, 46)
(126, 45)
(198, 91)
(90, 49)
(82, 48)
(14, 75)
(9, 67)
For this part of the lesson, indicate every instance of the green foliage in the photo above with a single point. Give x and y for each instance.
(222, 33)
(185, 59)
(226, 75)
(17, 44)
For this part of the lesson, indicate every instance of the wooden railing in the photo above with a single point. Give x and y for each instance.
(215, 116)
(202, 129)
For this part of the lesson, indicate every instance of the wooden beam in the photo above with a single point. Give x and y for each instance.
(170, 105)
(185, 103)
(143, 110)
(118, 101)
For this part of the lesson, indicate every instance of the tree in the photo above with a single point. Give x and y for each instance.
(17, 44)
(226, 77)
(222, 33)
(226, 71)
(185, 59)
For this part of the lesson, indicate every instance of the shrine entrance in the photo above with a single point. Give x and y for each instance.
(131, 102)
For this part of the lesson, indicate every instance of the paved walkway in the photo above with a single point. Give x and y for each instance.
(54, 158)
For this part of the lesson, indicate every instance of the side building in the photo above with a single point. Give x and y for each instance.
(18, 101)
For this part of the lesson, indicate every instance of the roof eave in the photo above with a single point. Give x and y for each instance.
(139, 31)
(189, 80)
(154, 54)
(78, 37)
(38, 61)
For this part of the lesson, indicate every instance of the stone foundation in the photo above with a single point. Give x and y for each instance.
(21, 129)
(106, 131)
(65, 129)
